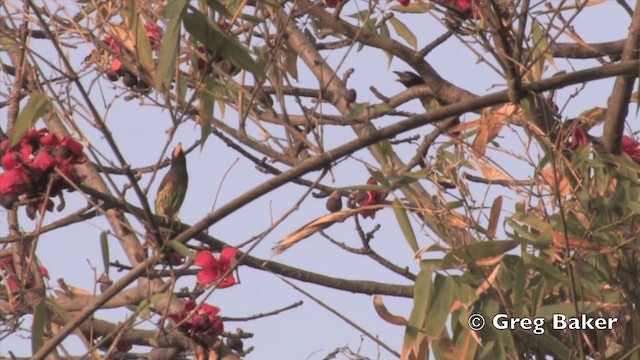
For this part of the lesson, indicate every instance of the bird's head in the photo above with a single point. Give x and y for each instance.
(408, 78)
(177, 157)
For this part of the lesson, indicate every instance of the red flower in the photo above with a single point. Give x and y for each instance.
(331, 3)
(631, 148)
(404, 2)
(203, 320)
(578, 138)
(464, 7)
(154, 33)
(76, 148)
(13, 181)
(365, 198)
(213, 269)
(201, 56)
(11, 160)
(43, 161)
(31, 161)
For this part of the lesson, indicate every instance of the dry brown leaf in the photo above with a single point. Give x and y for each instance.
(123, 36)
(447, 347)
(428, 248)
(563, 183)
(576, 243)
(494, 216)
(491, 122)
(317, 225)
(492, 173)
(489, 261)
(384, 313)
(488, 281)
(458, 221)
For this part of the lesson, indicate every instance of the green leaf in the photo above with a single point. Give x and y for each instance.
(554, 345)
(466, 345)
(384, 32)
(37, 328)
(358, 109)
(170, 42)
(153, 342)
(219, 42)
(291, 63)
(422, 290)
(143, 47)
(37, 106)
(58, 310)
(472, 253)
(413, 8)
(404, 32)
(104, 246)
(545, 267)
(181, 249)
(443, 289)
(405, 225)
(156, 298)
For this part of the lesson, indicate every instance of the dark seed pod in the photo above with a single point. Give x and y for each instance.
(129, 80)
(334, 202)
(235, 343)
(112, 76)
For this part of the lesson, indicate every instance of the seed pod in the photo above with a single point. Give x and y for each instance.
(129, 80)
(334, 202)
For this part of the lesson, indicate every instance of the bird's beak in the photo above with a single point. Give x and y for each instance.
(400, 76)
(177, 150)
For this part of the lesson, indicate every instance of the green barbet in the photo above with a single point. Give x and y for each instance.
(173, 187)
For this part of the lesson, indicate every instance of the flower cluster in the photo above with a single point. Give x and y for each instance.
(198, 320)
(31, 164)
(361, 198)
(117, 69)
(463, 7)
(214, 269)
(8, 273)
(631, 148)
(578, 138)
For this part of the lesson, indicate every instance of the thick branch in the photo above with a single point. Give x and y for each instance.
(618, 105)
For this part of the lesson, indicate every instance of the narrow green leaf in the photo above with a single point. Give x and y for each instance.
(421, 295)
(104, 246)
(291, 63)
(37, 106)
(554, 345)
(358, 109)
(404, 32)
(405, 225)
(37, 328)
(413, 8)
(219, 42)
(153, 342)
(472, 253)
(143, 47)
(181, 249)
(170, 42)
(466, 345)
(545, 267)
(443, 289)
(58, 310)
(384, 32)
(156, 298)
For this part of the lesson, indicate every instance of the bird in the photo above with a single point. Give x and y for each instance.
(410, 79)
(173, 186)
